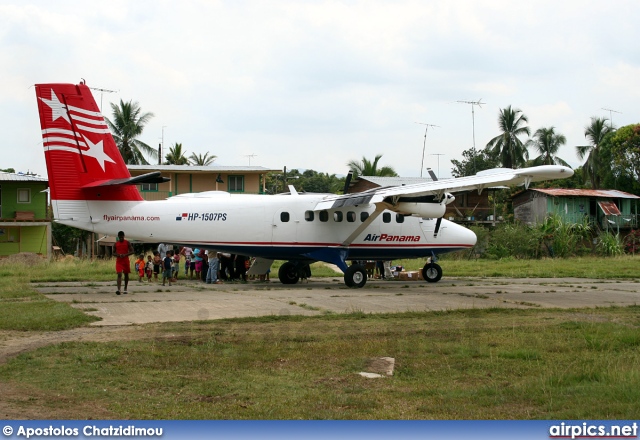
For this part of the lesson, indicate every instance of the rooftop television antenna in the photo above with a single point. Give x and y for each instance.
(437, 154)
(611, 116)
(250, 156)
(424, 144)
(102, 91)
(473, 121)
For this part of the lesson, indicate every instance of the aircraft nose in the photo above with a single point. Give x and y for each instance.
(465, 236)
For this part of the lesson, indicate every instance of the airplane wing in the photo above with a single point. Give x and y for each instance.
(438, 189)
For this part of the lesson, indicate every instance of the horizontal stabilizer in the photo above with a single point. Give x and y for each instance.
(154, 177)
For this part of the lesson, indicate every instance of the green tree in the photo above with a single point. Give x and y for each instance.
(370, 168)
(9, 170)
(128, 123)
(473, 162)
(176, 156)
(202, 160)
(595, 132)
(507, 146)
(548, 143)
(621, 149)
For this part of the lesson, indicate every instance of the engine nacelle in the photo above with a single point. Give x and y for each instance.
(425, 210)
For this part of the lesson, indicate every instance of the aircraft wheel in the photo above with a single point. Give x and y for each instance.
(432, 272)
(355, 276)
(288, 273)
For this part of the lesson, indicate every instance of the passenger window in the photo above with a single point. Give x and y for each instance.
(308, 216)
(337, 216)
(284, 217)
(364, 216)
(386, 217)
(399, 218)
(324, 216)
(351, 216)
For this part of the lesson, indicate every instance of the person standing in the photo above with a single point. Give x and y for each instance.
(122, 249)
(214, 266)
(167, 261)
(162, 250)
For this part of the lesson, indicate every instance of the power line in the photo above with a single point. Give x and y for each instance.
(424, 144)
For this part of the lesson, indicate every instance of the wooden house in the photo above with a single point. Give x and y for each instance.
(25, 225)
(609, 209)
(468, 207)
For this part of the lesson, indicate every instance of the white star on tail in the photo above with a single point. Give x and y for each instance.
(58, 109)
(97, 152)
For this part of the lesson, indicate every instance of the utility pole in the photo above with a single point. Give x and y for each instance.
(424, 144)
(473, 122)
(611, 116)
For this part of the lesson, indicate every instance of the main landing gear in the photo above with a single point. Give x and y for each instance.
(292, 271)
(355, 276)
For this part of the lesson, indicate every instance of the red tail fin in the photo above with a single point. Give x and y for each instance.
(79, 149)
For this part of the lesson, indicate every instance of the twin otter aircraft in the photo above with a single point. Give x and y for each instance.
(91, 189)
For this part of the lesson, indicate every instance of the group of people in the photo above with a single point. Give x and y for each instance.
(209, 266)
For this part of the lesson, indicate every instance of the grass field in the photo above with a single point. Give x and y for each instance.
(473, 364)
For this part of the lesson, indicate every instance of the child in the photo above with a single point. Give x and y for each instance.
(166, 265)
(149, 267)
(140, 267)
(157, 262)
(176, 266)
(198, 262)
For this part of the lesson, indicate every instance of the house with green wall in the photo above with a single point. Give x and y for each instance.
(24, 222)
(609, 209)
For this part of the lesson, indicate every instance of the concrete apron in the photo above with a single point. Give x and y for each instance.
(188, 300)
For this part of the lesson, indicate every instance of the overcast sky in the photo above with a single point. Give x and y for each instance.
(314, 84)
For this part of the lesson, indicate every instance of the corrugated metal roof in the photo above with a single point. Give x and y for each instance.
(604, 193)
(199, 169)
(394, 181)
(12, 177)
(609, 208)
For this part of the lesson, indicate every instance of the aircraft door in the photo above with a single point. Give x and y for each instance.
(428, 226)
(284, 227)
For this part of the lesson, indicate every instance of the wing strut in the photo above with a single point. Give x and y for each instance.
(379, 208)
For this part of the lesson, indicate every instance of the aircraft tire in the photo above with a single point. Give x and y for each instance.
(288, 273)
(432, 272)
(355, 276)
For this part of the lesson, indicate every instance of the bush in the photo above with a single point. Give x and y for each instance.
(609, 245)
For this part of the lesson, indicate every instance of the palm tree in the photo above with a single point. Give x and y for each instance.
(176, 156)
(548, 143)
(201, 160)
(128, 123)
(507, 147)
(368, 168)
(595, 132)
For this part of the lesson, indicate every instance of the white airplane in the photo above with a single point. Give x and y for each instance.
(91, 189)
